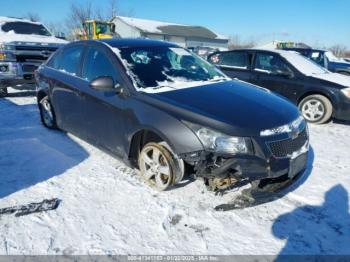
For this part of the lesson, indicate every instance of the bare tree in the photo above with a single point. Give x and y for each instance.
(55, 28)
(78, 14)
(339, 50)
(236, 42)
(34, 17)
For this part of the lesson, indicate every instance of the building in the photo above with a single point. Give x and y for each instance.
(183, 35)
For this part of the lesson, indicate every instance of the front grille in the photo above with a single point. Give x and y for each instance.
(29, 68)
(284, 148)
(33, 53)
(36, 48)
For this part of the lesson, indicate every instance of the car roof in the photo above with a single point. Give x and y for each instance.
(135, 42)
(301, 49)
(277, 51)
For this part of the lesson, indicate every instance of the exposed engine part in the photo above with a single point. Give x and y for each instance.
(218, 184)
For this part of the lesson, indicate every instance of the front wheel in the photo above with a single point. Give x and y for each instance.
(3, 92)
(47, 113)
(316, 109)
(158, 166)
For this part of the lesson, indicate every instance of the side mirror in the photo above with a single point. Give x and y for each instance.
(105, 83)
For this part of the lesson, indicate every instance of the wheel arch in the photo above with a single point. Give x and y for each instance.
(40, 95)
(141, 137)
(317, 92)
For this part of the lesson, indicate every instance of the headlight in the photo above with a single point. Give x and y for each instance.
(283, 129)
(221, 143)
(6, 47)
(6, 52)
(346, 92)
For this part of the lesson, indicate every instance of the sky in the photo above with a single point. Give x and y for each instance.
(318, 23)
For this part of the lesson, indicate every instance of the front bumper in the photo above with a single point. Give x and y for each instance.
(266, 165)
(342, 111)
(15, 73)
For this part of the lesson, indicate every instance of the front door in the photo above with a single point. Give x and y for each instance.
(274, 73)
(102, 110)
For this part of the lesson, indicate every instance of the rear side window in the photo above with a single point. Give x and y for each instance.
(96, 65)
(69, 60)
(234, 59)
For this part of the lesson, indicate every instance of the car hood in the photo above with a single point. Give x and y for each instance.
(8, 37)
(233, 107)
(334, 78)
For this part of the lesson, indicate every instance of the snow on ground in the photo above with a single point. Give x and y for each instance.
(107, 209)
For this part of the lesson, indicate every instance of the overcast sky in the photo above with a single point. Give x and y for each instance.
(315, 22)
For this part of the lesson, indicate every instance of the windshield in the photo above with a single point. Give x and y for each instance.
(25, 28)
(303, 64)
(155, 67)
(103, 28)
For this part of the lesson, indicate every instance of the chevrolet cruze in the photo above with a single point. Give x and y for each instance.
(167, 112)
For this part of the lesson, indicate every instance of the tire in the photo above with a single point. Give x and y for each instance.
(47, 113)
(3, 92)
(158, 166)
(316, 109)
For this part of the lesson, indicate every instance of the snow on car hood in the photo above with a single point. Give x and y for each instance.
(334, 78)
(12, 37)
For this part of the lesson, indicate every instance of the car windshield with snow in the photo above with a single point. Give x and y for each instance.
(319, 93)
(169, 113)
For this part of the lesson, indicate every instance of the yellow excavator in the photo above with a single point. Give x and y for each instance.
(95, 29)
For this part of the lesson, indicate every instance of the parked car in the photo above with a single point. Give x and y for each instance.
(24, 45)
(318, 93)
(326, 59)
(161, 108)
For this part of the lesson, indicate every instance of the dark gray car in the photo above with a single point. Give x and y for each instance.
(167, 112)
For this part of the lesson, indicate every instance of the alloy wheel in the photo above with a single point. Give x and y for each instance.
(313, 110)
(155, 167)
(47, 113)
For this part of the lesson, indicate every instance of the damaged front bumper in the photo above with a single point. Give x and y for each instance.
(275, 164)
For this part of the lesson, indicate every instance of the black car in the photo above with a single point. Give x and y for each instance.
(164, 110)
(325, 58)
(318, 93)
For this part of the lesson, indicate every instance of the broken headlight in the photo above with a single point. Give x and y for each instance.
(221, 143)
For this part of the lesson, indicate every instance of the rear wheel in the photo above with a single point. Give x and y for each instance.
(47, 113)
(159, 167)
(3, 92)
(316, 109)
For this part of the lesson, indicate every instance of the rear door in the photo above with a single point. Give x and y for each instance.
(65, 85)
(273, 72)
(235, 64)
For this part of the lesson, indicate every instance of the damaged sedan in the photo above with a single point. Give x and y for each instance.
(169, 113)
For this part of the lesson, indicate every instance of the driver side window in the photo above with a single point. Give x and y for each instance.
(270, 63)
(96, 65)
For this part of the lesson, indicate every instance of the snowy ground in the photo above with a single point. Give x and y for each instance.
(107, 209)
